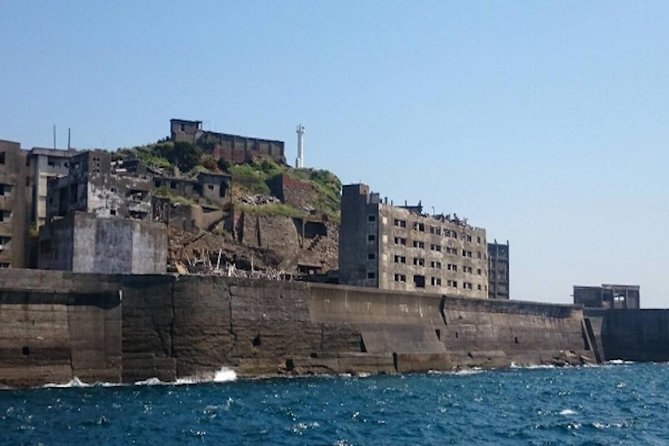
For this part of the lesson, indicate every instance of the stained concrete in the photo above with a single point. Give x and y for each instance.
(124, 328)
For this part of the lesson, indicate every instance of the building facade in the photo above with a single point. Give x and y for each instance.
(91, 187)
(400, 248)
(44, 164)
(15, 187)
(85, 243)
(608, 296)
(498, 270)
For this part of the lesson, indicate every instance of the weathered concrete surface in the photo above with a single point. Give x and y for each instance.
(635, 335)
(54, 327)
(124, 328)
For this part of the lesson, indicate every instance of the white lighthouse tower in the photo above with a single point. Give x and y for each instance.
(299, 162)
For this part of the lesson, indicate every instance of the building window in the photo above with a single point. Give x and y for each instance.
(418, 244)
(452, 267)
(478, 271)
(371, 237)
(371, 275)
(434, 264)
(435, 247)
(419, 281)
(112, 211)
(400, 278)
(400, 241)
(452, 283)
(478, 254)
(2, 157)
(400, 259)
(371, 256)
(435, 281)
(419, 226)
(400, 223)
(454, 234)
(371, 218)
(418, 261)
(479, 287)
(478, 240)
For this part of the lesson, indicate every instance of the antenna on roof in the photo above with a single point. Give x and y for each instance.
(68, 138)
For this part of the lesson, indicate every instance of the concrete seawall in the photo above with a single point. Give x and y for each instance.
(58, 325)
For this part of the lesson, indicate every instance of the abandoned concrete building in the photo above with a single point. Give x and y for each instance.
(233, 148)
(90, 186)
(400, 248)
(85, 243)
(498, 270)
(15, 202)
(44, 164)
(608, 296)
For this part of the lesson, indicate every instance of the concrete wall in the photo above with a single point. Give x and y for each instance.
(54, 327)
(130, 328)
(84, 243)
(635, 335)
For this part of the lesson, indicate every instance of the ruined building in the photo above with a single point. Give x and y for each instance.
(400, 248)
(608, 296)
(233, 148)
(498, 270)
(99, 221)
(15, 201)
(43, 164)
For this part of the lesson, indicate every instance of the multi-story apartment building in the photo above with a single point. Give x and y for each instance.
(498, 270)
(400, 248)
(44, 164)
(14, 205)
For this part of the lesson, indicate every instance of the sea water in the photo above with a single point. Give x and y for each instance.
(600, 405)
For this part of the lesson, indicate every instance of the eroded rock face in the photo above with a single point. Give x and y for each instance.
(133, 328)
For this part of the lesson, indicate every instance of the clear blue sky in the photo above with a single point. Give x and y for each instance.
(544, 122)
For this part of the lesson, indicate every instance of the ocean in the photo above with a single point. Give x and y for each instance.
(622, 403)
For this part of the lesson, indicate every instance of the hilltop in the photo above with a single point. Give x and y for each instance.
(276, 218)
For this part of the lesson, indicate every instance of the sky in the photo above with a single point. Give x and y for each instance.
(543, 122)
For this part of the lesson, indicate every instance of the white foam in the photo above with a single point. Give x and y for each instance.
(532, 366)
(567, 412)
(224, 374)
(619, 361)
(74, 382)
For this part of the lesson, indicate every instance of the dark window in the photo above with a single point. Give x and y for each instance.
(371, 218)
(112, 211)
(371, 256)
(371, 275)
(371, 237)
(419, 281)
(2, 157)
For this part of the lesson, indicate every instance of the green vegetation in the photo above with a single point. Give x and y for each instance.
(251, 178)
(164, 192)
(272, 209)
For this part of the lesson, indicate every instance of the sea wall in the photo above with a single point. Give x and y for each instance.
(635, 335)
(123, 328)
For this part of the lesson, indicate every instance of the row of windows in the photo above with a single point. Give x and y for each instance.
(420, 261)
(434, 281)
(435, 230)
(433, 247)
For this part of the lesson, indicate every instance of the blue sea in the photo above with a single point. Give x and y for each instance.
(600, 405)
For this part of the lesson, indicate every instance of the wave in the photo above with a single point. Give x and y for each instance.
(567, 412)
(532, 366)
(463, 372)
(619, 361)
(222, 375)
